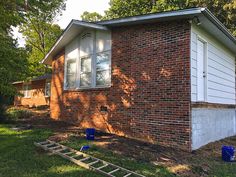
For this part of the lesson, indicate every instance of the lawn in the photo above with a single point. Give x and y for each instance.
(19, 157)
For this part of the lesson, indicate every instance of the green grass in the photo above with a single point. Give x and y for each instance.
(144, 168)
(19, 157)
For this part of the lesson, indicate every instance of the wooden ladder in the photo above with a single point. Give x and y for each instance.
(86, 161)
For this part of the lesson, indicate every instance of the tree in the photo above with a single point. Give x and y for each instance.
(13, 60)
(91, 16)
(124, 8)
(39, 39)
(40, 32)
(224, 10)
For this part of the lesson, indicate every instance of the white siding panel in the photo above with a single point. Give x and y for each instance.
(71, 50)
(220, 69)
(86, 43)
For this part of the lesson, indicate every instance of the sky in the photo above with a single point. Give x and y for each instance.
(74, 9)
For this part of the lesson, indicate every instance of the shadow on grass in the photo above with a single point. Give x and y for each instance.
(141, 167)
(19, 156)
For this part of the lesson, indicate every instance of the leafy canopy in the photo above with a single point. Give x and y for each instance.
(224, 10)
(40, 33)
(12, 59)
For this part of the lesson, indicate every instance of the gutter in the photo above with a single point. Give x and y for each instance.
(215, 21)
(152, 16)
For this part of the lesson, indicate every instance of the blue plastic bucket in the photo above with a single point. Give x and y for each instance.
(228, 153)
(90, 133)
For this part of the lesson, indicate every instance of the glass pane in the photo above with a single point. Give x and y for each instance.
(102, 61)
(47, 89)
(103, 77)
(71, 66)
(85, 64)
(85, 79)
(70, 81)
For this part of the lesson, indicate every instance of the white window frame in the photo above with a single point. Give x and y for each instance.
(93, 56)
(65, 74)
(26, 90)
(45, 93)
(205, 68)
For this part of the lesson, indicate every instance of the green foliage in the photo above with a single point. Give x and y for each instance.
(40, 37)
(17, 113)
(12, 59)
(124, 8)
(91, 16)
(40, 32)
(224, 10)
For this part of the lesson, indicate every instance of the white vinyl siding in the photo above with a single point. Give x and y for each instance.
(91, 51)
(220, 70)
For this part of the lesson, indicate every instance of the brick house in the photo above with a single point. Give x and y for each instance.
(35, 92)
(167, 78)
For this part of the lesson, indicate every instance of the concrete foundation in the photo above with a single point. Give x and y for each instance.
(209, 125)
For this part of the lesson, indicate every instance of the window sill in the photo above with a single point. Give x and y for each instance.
(87, 88)
(46, 96)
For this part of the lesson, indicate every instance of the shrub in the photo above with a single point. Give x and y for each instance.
(17, 113)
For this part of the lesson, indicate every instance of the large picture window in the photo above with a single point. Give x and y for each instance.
(92, 55)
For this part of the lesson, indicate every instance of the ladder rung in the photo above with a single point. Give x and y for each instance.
(76, 155)
(86, 158)
(127, 175)
(102, 166)
(114, 171)
(92, 163)
(60, 149)
(44, 143)
(47, 145)
(55, 147)
(67, 153)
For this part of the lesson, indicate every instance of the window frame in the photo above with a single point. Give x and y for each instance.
(26, 92)
(205, 68)
(66, 73)
(45, 91)
(93, 57)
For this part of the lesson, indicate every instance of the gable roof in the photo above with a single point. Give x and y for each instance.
(208, 21)
(43, 77)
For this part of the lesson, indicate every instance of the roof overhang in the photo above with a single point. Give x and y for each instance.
(207, 21)
(71, 31)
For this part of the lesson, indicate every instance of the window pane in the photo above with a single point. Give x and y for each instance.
(103, 77)
(47, 89)
(85, 79)
(102, 61)
(85, 64)
(71, 67)
(70, 81)
(71, 74)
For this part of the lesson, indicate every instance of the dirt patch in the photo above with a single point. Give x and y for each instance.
(181, 163)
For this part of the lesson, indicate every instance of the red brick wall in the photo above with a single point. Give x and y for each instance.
(37, 97)
(150, 94)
